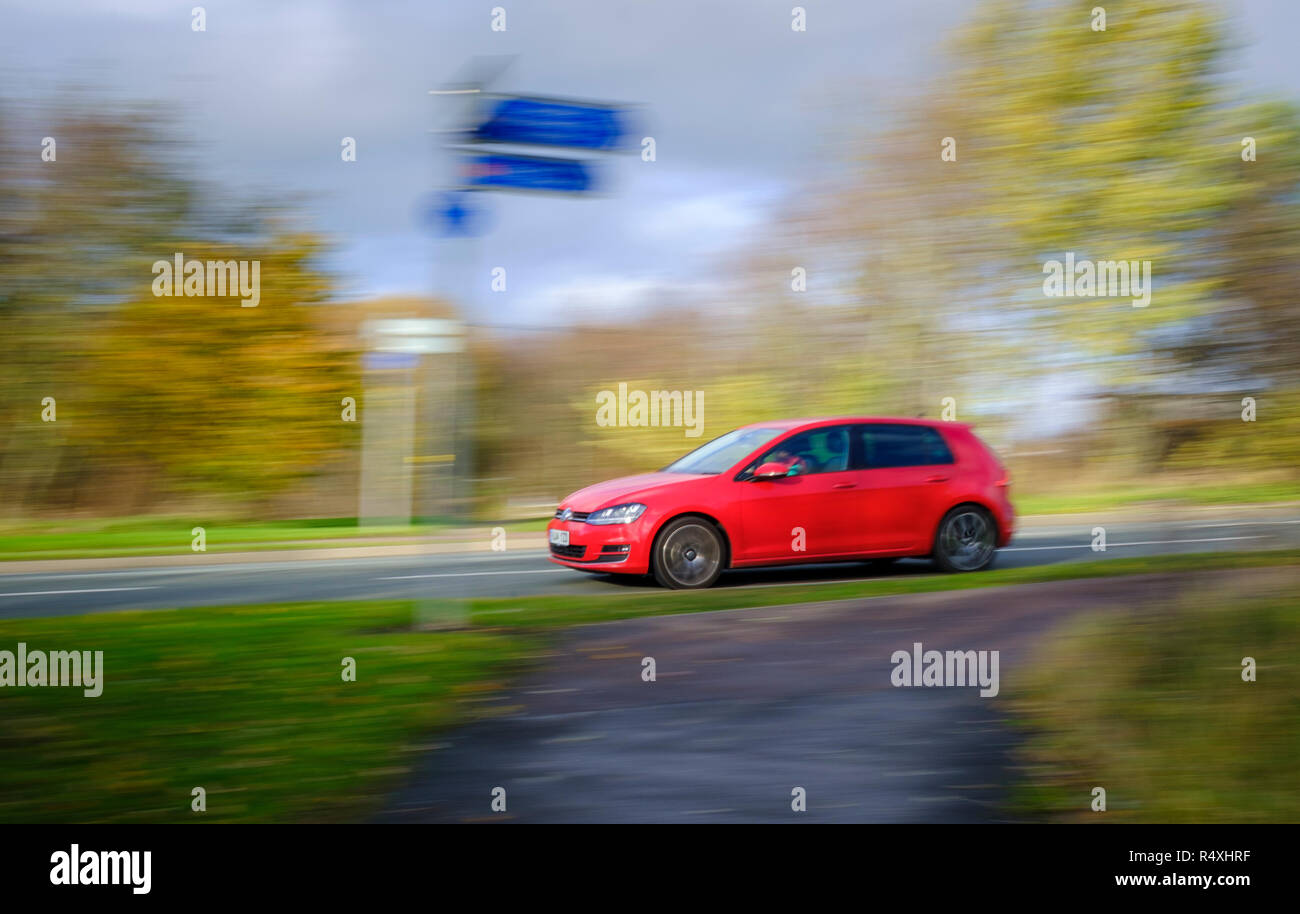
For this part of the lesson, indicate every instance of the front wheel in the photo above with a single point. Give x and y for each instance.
(967, 539)
(688, 554)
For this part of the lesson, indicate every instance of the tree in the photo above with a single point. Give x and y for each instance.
(176, 392)
(216, 397)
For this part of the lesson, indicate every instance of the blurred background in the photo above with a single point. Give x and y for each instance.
(851, 218)
(775, 151)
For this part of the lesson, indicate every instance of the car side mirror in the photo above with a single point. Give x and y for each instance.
(772, 470)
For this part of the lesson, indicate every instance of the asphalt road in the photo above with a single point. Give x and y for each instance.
(518, 573)
(748, 705)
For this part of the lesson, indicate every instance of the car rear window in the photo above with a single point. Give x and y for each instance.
(881, 446)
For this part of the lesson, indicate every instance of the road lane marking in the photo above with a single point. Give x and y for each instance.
(143, 573)
(476, 574)
(1057, 532)
(47, 593)
(1245, 523)
(1208, 539)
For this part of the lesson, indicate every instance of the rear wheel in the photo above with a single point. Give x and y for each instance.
(967, 539)
(688, 554)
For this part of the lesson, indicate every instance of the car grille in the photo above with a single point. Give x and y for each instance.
(573, 551)
(578, 516)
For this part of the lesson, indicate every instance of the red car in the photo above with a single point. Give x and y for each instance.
(804, 490)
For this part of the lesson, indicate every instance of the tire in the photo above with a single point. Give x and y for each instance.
(688, 554)
(967, 539)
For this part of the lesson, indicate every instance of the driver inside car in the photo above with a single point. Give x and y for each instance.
(798, 465)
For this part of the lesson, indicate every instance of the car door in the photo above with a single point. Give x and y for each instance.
(903, 483)
(804, 515)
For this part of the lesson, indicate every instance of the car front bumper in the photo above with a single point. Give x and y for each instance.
(614, 548)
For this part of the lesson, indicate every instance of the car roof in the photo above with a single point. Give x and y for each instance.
(793, 424)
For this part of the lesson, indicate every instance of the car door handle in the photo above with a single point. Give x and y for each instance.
(844, 485)
(937, 478)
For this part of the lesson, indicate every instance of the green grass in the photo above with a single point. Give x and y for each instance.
(1124, 496)
(171, 536)
(246, 702)
(1150, 705)
(560, 610)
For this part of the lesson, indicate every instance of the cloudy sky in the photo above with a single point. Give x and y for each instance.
(742, 108)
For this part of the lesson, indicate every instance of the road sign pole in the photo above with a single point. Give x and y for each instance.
(480, 126)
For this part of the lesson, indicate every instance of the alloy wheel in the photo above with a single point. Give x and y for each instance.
(967, 540)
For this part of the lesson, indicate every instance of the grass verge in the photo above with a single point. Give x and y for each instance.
(1151, 705)
(172, 536)
(1249, 493)
(553, 611)
(247, 702)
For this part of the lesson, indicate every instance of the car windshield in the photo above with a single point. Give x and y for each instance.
(722, 453)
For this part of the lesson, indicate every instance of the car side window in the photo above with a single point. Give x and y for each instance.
(881, 446)
(818, 450)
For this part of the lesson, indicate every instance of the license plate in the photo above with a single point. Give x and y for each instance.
(560, 537)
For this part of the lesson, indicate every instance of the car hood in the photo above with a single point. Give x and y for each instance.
(624, 489)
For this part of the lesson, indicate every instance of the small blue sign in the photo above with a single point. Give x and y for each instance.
(516, 172)
(551, 123)
(390, 361)
(456, 213)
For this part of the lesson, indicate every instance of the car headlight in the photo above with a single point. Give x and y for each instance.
(618, 514)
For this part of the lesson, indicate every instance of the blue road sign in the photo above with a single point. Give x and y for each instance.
(515, 172)
(551, 123)
(455, 214)
(389, 361)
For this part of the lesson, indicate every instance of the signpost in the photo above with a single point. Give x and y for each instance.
(502, 143)
(395, 369)
(509, 143)
(454, 214)
(500, 171)
(550, 122)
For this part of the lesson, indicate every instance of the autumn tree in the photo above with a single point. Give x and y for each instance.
(154, 394)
